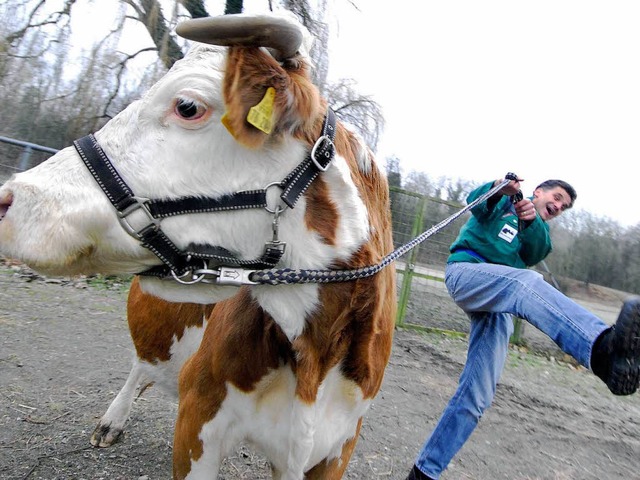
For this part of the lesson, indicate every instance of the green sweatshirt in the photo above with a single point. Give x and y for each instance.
(491, 235)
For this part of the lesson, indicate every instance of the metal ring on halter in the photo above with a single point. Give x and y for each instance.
(194, 279)
(278, 208)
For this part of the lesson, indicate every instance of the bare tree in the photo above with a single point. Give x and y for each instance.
(457, 190)
(35, 20)
(197, 9)
(394, 174)
(360, 111)
(150, 14)
(108, 68)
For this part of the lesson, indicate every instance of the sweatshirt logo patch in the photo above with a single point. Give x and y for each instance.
(508, 233)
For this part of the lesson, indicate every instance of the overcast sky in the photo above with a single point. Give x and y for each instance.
(474, 89)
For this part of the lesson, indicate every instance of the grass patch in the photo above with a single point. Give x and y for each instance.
(109, 282)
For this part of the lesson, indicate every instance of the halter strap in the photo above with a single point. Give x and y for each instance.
(177, 262)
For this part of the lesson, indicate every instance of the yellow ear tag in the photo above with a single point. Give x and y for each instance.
(260, 115)
(225, 121)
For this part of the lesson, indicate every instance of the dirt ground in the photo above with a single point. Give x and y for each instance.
(65, 352)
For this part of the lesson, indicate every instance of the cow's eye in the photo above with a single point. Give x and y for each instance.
(189, 109)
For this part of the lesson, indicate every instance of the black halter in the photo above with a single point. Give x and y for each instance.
(178, 263)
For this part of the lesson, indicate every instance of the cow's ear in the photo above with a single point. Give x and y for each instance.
(265, 98)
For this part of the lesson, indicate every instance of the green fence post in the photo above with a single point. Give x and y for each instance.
(518, 331)
(416, 230)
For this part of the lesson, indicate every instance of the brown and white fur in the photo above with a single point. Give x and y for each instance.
(290, 369)
(165, 334)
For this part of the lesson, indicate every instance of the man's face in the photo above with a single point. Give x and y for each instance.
(551, 203)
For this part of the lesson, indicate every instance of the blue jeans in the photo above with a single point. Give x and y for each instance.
(490, 295)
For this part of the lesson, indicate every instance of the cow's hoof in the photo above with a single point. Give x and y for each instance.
(105, 435)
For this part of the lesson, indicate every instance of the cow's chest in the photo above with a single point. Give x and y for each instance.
(273, 420)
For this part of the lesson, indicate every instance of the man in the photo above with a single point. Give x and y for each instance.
(486, 276)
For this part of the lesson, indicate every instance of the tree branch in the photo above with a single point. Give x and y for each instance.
(150, 14)
(195, 8)
(121, 66)
(52, 19)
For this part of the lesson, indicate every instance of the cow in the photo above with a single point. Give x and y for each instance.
(232, 183)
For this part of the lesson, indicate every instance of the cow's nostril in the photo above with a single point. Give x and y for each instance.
(5, 202)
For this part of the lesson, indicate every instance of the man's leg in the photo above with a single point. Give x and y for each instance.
(525, 293)
(488, 344)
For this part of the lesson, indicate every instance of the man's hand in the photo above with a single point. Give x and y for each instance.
(511, 188)
(526, 210)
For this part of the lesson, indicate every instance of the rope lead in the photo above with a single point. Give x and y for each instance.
(290, 276)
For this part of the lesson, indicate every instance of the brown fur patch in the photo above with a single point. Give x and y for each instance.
(154, 322)
(321, 214)
(241, 344)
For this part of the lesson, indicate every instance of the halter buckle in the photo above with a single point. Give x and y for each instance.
(326, 143)
(152, 222)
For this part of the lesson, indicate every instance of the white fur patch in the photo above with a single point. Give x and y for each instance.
(292, 435)
(165, 373)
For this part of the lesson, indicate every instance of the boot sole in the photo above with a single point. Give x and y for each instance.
(625, 371)
(624, 377)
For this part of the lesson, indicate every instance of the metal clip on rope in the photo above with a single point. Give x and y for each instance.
(518, 196)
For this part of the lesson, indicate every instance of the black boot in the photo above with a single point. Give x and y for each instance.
(416, 474)
(616, 353)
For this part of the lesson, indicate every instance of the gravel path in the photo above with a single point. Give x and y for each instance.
(65, 352)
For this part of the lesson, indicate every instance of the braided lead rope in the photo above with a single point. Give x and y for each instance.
(289, 276)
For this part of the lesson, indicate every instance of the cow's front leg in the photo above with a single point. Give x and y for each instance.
(303, 427)
(111, 425)
(203, 433)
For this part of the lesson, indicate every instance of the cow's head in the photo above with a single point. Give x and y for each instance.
(192, 136)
